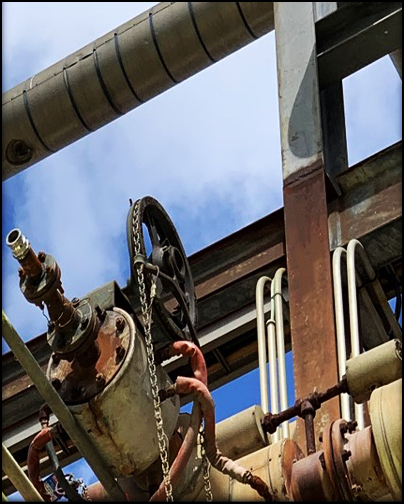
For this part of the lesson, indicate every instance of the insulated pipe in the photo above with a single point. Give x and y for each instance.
(373, 369)
(340, 327)
(121, 70)
(262, 355)
(59, 408)
(18, 477)
(276, 293)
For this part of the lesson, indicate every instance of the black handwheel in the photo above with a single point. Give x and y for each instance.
(174, 307)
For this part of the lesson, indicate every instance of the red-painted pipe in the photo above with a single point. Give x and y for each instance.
(183, 455)
(34, 450)
(198, 365)
(197, 360)
(215, 457)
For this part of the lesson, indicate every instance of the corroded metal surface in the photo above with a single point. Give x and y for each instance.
(282, 456)
(78, 383)
(370, 207)
(311, 299)
(386, 416)
(365, 472)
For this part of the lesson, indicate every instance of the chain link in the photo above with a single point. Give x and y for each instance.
(206, 468)
(147, 319)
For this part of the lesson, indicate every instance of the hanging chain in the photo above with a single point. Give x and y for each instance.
(147, 319)
(206, 468)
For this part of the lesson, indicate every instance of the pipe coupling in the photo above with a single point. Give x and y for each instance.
(18, 244)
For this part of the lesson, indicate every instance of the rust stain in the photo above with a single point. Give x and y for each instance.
(310, 291)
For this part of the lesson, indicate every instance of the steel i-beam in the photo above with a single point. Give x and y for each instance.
(306, 229)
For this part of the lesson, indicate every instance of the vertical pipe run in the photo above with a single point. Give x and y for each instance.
(273, 374)
(353, 310)
(262, 356)
(340, 327)
(52, 398)
(280, 344)
(310, 436)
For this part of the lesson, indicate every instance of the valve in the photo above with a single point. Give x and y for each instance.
(72, 326)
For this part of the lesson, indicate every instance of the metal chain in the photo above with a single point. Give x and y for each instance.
(147, 318)
(206, 468)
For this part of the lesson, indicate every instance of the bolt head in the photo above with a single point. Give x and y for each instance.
(346, 454)
(41, 256)
(75, 302)
(100, 379)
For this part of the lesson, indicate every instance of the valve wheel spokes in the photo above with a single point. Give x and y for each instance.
(175, 303)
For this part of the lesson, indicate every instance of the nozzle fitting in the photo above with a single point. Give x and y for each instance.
(18, 243)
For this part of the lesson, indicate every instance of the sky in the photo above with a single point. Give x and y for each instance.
(208, 150)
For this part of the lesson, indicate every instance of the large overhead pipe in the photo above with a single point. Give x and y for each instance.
(121, 70)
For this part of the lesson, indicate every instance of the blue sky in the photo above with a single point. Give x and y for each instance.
(207, 149)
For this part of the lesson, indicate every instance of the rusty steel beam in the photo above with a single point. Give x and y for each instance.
(225, 274)
(305, 205)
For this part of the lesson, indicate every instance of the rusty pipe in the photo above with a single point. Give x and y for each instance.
(183, 455)
(223, 464)
(34, 451)
(187, 349)
(198, 364)
(37, 269)
(270, 422)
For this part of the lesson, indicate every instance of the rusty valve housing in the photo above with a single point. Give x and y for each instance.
(73, 326)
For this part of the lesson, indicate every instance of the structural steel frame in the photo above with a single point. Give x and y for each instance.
(326, 205)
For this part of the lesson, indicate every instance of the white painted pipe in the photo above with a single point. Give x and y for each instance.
(276, 294)
(273, 373)
(353, 246)
(340, 327)
(262, 356)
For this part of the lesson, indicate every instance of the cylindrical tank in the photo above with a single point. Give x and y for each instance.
(242, 433)
(120, 418)
(372, 369)
(386, 412)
